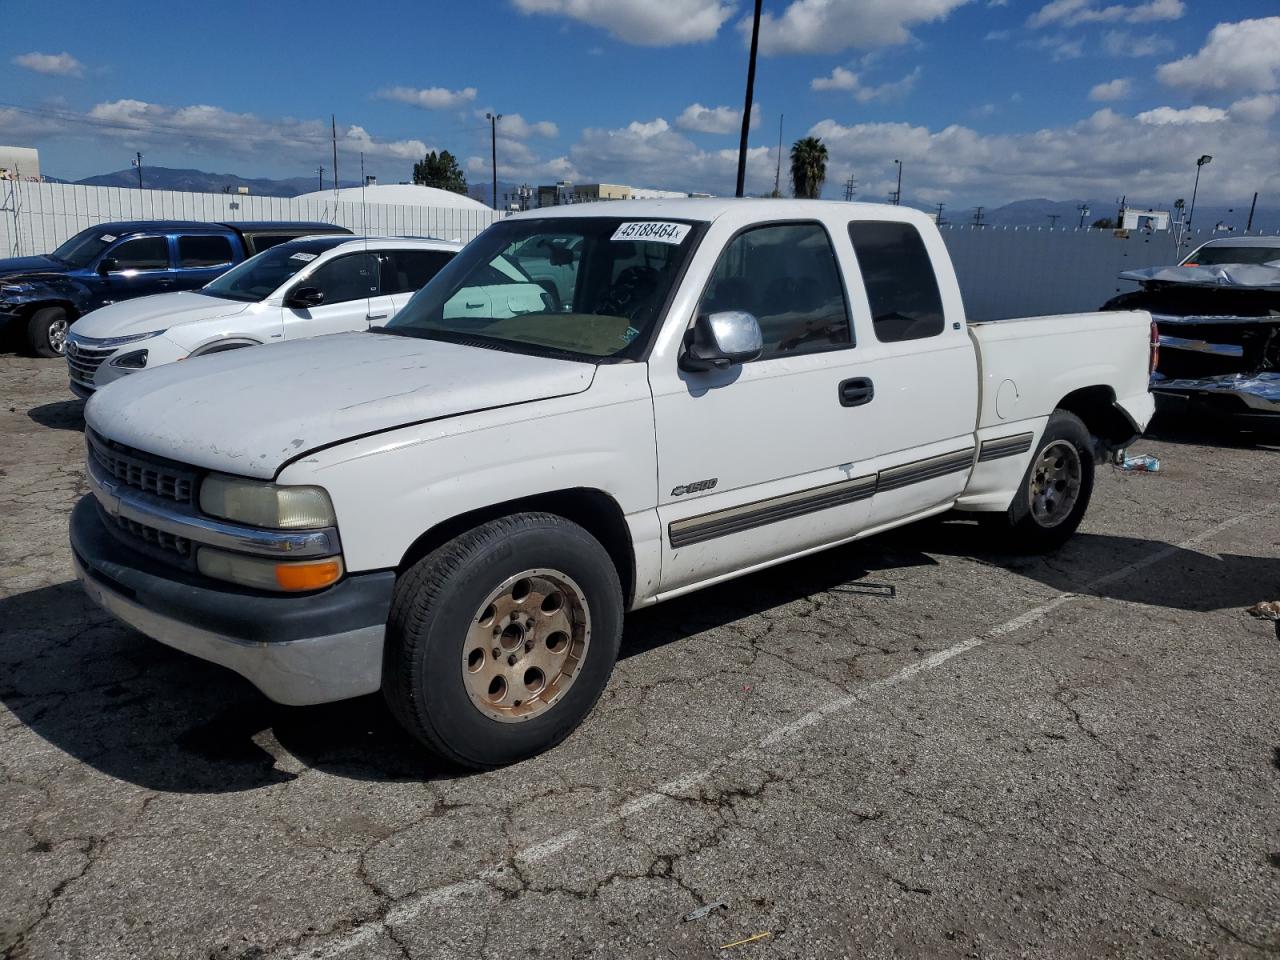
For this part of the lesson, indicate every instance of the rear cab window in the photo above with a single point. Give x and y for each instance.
(897, 273)
(404, 271)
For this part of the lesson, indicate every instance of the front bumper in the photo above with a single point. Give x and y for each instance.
(299, 649)
(1245, 398)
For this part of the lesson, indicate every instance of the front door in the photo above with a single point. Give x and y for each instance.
(353, 298)
(764, 459)
(136, 267)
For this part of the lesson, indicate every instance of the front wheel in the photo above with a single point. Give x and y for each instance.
(500, 641)
(1055, 491)
(47, 331)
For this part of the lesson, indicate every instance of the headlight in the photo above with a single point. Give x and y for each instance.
(291, 576)
(118, 341)
(266, 504)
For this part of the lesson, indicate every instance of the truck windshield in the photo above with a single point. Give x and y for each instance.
(590, 287)
(259, 277)
(82, 249)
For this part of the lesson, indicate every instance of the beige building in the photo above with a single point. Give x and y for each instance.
(19, 163)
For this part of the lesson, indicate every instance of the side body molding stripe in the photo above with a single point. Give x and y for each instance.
(1005, 447)
(708, 526)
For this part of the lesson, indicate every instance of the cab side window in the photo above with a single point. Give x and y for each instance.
(786, 276)
(208, 251)
(902, 290)
(404, 271)
(352, 277)
(142, 253)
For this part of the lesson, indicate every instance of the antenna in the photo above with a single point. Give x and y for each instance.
(777, 176)
(333, 126)
(364, 230)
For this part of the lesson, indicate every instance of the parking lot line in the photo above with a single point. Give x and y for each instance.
(415, 904)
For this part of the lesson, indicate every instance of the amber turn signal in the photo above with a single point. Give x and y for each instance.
(308, 576)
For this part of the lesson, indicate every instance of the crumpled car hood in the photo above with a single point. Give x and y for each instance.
(1250, 275)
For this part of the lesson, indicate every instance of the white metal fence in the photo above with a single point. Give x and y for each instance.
(36, 217)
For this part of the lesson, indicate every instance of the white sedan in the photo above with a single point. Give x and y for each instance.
(302, 288)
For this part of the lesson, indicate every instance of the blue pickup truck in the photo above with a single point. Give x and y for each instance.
(44, 295)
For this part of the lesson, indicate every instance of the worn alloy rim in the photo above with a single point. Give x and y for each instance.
(526, 646)
(58, 335)
(1056, 479)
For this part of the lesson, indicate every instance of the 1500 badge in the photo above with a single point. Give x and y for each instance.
(697, 487)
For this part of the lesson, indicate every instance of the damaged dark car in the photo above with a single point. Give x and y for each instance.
(1218, 314)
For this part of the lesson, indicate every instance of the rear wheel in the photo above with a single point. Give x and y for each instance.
(500, 641)
(1055, 490)
(47, 331)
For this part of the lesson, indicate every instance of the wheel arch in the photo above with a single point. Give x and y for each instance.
(592, 509)
(1104, 418)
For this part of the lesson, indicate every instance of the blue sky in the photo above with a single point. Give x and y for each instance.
(985, 101)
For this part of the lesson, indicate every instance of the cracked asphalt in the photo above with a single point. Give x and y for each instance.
(908, 747)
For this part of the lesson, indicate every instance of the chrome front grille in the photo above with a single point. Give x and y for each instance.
(155, 538)
(140, 472)
(83, 361)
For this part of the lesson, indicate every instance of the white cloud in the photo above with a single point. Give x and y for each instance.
(1243, 56)
(1068, 13)
(1061, 47)
(842, 79)
(643, 22)
(1105, 154)
(517, 127)
(829, 26)
(201, 129)
(997, 35)
(52, 64)
(1168, 116)
(429, 98)
(702, 119)
(653, 154)
(1118, 89)
(1257, 109)
(1121, 43)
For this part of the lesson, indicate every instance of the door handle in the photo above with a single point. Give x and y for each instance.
(377, 316)
(474, 306)
(856, 392)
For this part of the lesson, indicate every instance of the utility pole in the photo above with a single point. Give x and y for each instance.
(746, 108)
(777, 176)
(138, 163)
(850, 188)
(977, 217)
(320, 170)
(1084, 212)
(1120, 212)
(1053, 219)
(493, 119)
(897, 194)
(938, 218)
(1252, 207)
(333, 126)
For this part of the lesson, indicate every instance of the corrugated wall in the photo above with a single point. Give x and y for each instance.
(36, 217)
(1027, 272)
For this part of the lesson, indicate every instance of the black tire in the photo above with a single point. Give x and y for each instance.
(435, 607)
(47, 331)
(1026, 529)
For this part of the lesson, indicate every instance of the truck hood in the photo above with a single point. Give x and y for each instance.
(158, 312)
(20, 266)
(250, 411)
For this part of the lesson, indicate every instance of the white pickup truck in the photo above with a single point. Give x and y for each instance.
(458, 509)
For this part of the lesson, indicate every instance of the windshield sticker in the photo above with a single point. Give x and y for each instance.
(630, 334)
(108, 238)
(654, 231)
(304, 256)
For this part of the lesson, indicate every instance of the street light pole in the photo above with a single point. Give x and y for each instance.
(493, 119)
(138, 163)
(1192, 215)
(1084, 212)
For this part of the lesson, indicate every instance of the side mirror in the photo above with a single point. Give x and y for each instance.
(304, 298)
(108, 265)
(720, 340)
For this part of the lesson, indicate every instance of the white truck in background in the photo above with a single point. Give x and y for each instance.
(458, 509)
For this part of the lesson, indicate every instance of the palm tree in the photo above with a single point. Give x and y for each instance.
(808, 167)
